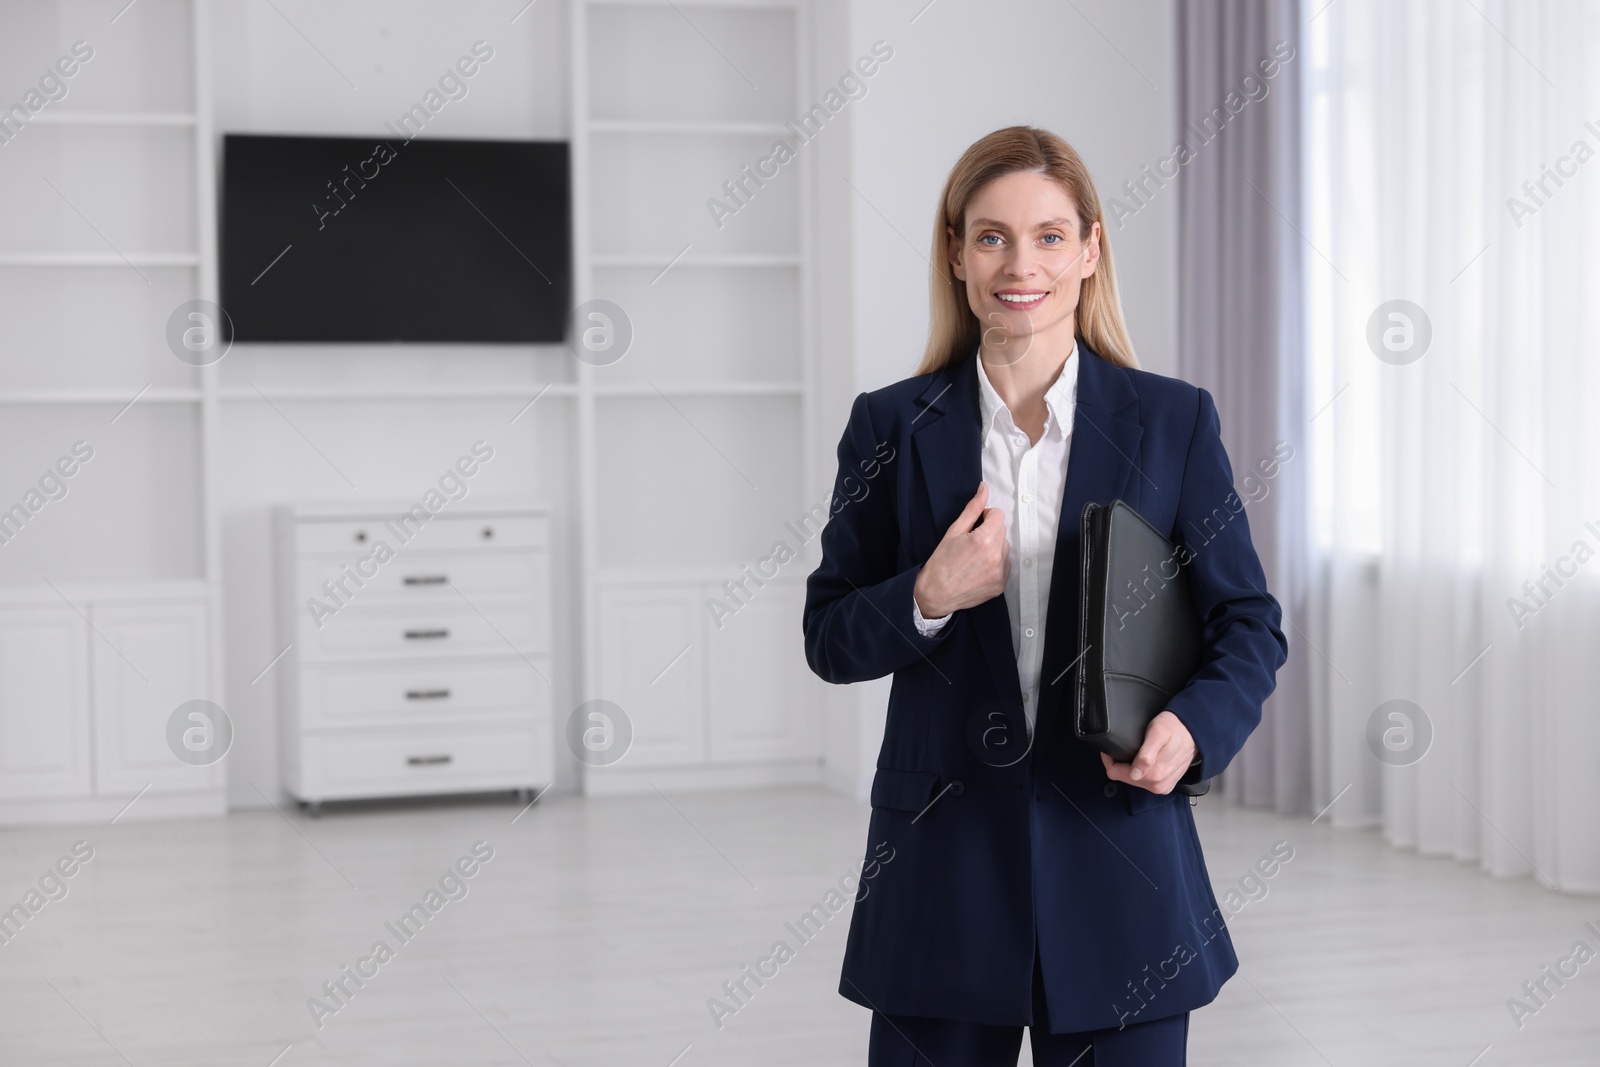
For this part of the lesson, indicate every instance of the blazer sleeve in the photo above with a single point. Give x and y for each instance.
(859, 608)
(1243, 638)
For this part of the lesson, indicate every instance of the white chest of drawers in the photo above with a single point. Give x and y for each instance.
(419, 649)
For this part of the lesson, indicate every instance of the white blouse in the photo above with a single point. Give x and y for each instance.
(1026, 482)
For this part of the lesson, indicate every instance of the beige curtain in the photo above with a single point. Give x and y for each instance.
(1239, 324)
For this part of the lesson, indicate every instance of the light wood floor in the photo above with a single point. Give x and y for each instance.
(599, 929)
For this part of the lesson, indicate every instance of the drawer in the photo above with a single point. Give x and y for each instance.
(422, 695)
(412, 633)
(356, 537)
(406, 762)
(412, 577)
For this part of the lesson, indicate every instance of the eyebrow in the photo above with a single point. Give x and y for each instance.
(1065, 224)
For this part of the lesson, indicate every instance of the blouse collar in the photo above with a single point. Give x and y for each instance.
(1058, 399)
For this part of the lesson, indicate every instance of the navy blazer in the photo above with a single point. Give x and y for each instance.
(992, 853)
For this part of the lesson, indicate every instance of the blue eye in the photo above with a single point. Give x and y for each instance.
(1056, 237)
(987, 236)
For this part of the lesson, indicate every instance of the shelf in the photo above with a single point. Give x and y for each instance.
(736, 5)
(98, 396)
(702, 389)
(559, 389)
(694, 574)
(98, 259)
(398, 392)
(671, 126)
(73, 592)
(659, 262)
(113, 118)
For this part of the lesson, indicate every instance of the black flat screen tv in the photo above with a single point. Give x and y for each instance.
(370, 239)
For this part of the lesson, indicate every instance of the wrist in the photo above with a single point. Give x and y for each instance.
(929, 606)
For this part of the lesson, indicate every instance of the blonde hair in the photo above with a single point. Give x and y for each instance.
(953, 330)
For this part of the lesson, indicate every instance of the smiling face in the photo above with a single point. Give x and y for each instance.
(1024, 264)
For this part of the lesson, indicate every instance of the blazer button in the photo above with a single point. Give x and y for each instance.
(1109, 789)
(956, 788)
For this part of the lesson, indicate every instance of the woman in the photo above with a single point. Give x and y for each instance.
(1034, 881)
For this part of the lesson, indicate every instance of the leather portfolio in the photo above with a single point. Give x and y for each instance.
(1140, 639)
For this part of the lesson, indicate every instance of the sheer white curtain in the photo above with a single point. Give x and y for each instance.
(1453, 161)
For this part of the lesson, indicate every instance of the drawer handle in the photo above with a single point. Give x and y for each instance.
(427, 694)
(426, 635)
(427, 761)
(425, 579)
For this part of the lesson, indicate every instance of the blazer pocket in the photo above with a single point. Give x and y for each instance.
(1141, 800)
(903, 790)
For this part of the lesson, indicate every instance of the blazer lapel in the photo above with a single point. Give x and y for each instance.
(949, 446)
(1100, 468)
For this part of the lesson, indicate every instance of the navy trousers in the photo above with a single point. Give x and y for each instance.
(914, 1041)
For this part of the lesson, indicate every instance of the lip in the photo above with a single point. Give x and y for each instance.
(1038, 296)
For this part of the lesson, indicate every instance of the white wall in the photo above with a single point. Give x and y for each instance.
(269, 78)
(962, 69)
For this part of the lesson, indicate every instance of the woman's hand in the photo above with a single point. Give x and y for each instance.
(969, 565)
(1162, 759)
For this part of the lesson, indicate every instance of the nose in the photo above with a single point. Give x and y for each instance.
(1021, 264)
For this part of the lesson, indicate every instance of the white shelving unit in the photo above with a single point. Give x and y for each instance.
(90, 269)
(694, 449)
(77, 273)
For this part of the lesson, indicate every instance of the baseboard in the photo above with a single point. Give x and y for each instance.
(89, 811)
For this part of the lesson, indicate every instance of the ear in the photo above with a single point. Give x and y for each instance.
(1091, 250)
(954, 247)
